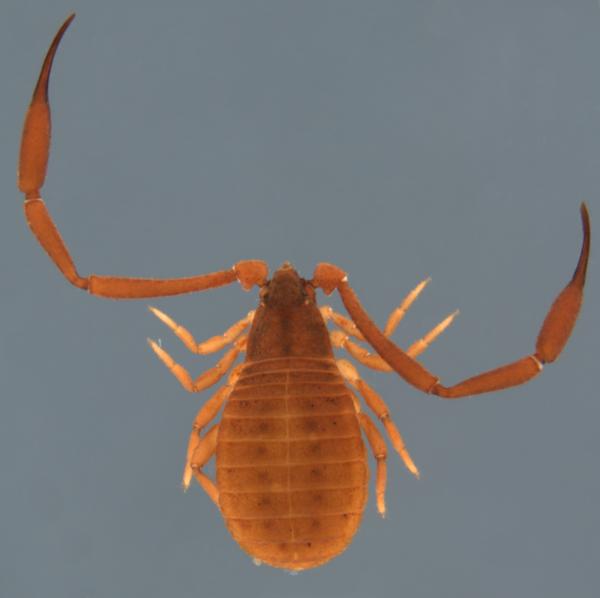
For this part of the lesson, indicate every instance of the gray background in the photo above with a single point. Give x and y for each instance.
(397, 139)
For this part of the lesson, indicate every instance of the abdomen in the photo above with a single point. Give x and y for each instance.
(291, 463)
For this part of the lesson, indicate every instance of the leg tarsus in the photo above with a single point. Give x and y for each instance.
(203, 452)
(328, 278)
(397, 314)
(213, 344)
(379, 407)
(377, 404)
(348, 326)
(375, 361)
(420, 345)
(206, 379)
(379, 450)
(208, 486)
(205, 415)
(371, 360)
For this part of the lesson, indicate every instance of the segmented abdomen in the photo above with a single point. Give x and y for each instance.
(291, 463)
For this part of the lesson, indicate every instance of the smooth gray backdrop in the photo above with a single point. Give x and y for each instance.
(452, 139)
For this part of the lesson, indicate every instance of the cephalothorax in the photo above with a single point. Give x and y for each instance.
(291, 475)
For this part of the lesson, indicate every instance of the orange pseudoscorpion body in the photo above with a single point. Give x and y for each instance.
(291, 465)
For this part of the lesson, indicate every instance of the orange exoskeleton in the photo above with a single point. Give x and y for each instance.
(291, 464)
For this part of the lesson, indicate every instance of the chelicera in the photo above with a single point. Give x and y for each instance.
(291, 464)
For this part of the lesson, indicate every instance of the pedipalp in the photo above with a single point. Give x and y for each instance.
(552, 338)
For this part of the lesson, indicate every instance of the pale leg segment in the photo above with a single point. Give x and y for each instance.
(378, 406)
(206, 379)
(211, 345)
(379, 450)
(398, 313)
(205, 449)
(205, 415)
(348, 328)
(374, 361)
(347, 325)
